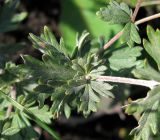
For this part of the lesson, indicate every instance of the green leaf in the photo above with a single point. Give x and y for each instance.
(67, 110)
(19, 17)
(134, 34)
(48, 44)
(41, 99)
(30, 114)
(10, 131)
(146, 72)
(147, 124)
(27, 133)
(115, 13)
(99, 71)
(153, 45)
(149, 108)
(130, 34)
(89, 100)
(102, 88)
(20, 121)
(124, 58)
(47, 70)
(7, 77)
(43, 114)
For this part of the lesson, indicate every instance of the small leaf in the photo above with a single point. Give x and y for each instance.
(43, 114)
(130, 34)
(10, 131)
(134, 34)
(115, 13)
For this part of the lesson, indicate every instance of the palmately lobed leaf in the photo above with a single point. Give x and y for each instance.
(69, 81)
(149, 108)
(115, 13)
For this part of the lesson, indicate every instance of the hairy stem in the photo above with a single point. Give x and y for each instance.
(146, 83)
(150, 3)
(138, 5)
(147, 19)
(118, 35)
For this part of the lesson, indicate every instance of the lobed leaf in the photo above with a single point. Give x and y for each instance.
(115, 13)
(149, 107)
(153, 45)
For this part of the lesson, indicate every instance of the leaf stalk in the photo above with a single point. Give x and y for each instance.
(138, 5)
(147, 19)
(147, 83)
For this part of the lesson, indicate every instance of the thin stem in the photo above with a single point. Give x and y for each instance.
(114, 39)
(150, 3)
(147, 19)
(118, 35)
(138, 5)
(146, 83)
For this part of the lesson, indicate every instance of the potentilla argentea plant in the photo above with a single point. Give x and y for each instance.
(79, 80)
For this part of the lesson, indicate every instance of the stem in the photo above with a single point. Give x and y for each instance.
(150, 3)
(117, 36)
(147, 19)
(138, 5)
(146, 83)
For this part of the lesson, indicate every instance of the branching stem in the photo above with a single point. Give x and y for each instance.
(114, 39)
(146, 83)
(138, 5)
(150, 3)
(118, 35)
(147, 19)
